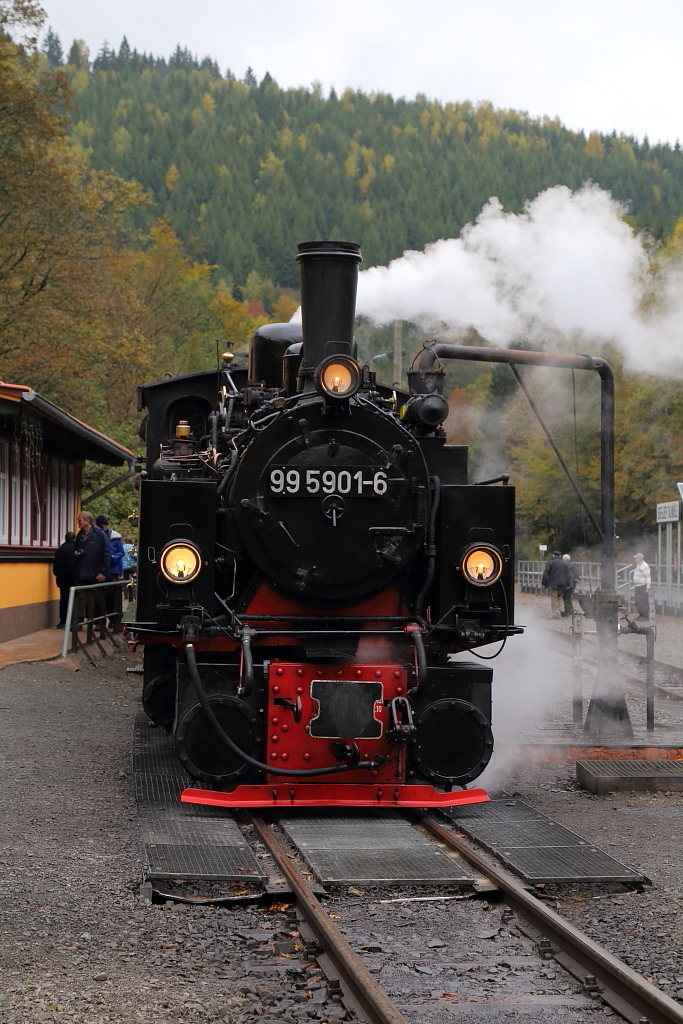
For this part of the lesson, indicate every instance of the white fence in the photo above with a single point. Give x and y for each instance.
(667, 582)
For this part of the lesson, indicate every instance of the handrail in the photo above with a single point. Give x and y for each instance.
(96, 618)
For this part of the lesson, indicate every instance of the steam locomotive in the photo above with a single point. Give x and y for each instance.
(312, 561)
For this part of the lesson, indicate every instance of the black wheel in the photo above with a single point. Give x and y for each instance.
(453, 743)
(201, 751)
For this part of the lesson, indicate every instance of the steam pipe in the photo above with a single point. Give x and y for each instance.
(427, 359)
(607, 716)
(431, 549)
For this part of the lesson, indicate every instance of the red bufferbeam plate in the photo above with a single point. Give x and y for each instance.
(332, 795)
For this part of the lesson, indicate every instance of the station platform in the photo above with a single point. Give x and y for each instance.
(44, 645)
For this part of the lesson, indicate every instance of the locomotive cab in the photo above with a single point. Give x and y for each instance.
(313, 565)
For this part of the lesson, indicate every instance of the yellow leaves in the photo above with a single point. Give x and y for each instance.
(594, 146)
(388, 163)
(284, 308)
(171, 177)
(272, 169)
(123, 108)
(285, 138)
(302, 142)
(366, 210)
(396, 131)
(351, 162)
(656, 194)
(208, 104)
(121, 141)
(161, 119)
(197, 118)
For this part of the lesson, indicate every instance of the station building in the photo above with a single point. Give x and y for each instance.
(42, 452)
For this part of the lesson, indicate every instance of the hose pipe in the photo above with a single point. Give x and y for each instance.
(232, 746)
(415, 634)
(247, 678)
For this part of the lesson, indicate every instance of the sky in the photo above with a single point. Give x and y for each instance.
(610, 65)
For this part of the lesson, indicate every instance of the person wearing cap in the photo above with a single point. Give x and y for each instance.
(642, 583)
(555, 581)
(116, 566)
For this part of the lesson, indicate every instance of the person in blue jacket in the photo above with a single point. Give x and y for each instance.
(116, 565)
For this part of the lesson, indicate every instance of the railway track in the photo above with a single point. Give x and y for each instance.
(600, 974)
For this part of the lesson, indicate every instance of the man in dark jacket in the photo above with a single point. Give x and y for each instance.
(115, 566)
(91, 552)
(63, 566)
(568, 594)
(555, 581)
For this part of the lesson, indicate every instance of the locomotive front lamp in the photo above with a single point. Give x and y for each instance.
(338, 377)
(482, 566)
(180, 562)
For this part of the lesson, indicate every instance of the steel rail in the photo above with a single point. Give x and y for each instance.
(356, 981)
(626, 990)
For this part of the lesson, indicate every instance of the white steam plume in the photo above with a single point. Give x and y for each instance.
(566, 271)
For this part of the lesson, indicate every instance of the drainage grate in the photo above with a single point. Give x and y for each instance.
(345, 849)
(608, 776)
(536, 847)
(183, 840)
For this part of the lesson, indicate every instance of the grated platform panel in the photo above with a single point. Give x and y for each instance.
(346, 849)
(603, 776)
(536, 847)
(182, 840)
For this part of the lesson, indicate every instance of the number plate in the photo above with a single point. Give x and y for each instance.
(356, 481)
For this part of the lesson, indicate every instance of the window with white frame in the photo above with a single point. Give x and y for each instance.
(4, 491)
(15, 497)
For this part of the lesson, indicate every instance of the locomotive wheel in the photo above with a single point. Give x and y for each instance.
(203, 755)
(453, 743)
(159, 684)
(158, 700)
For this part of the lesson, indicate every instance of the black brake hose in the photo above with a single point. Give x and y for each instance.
(223, 736)
(229, 473)
(419, 644)
(431, 549)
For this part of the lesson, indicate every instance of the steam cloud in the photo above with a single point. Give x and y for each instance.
(566, 271)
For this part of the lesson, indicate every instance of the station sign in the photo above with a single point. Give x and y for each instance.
(542, 547)
(668, 511)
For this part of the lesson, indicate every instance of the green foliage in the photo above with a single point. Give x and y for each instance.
(245, 170)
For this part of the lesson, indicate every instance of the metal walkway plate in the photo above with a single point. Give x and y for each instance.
(536, 847)
(181, 840)
(609, 776)
(378, 850)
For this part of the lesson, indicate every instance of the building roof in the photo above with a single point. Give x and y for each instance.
(74, 438)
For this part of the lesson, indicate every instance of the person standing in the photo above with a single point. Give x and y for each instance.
(568, 593)
(116, 566)
(63, 567)
(555, 581)
(642, 583)
(91, 552)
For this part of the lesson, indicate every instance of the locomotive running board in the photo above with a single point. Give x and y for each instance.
(332, 795)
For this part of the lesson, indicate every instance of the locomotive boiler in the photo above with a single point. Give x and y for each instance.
(313, 566)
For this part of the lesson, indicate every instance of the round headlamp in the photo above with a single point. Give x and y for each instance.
(180, 562)
(482, 565)
(338, 377)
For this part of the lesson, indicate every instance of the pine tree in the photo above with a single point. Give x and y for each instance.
(52, 48)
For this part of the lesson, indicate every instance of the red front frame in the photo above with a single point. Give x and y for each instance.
(331, 794)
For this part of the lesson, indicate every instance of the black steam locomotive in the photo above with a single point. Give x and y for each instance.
(311, 558)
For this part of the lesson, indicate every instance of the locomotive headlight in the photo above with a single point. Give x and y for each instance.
(482, 565)
(338, 377)
(180, 562)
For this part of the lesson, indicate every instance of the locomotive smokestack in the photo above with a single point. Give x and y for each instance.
(328, 274)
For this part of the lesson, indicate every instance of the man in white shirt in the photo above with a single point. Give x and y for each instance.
(642, 584)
